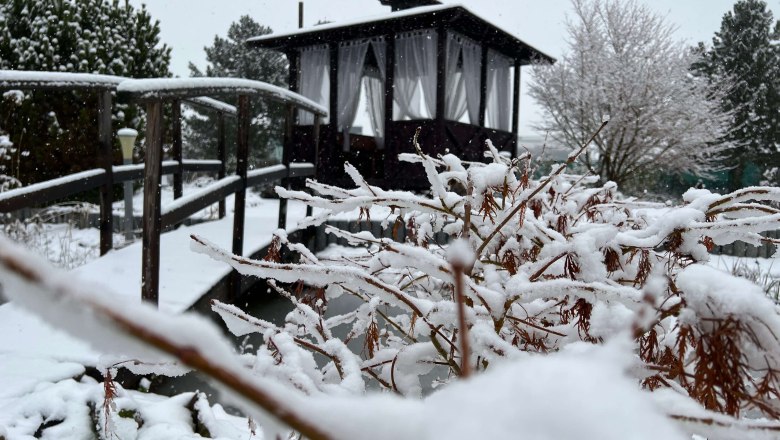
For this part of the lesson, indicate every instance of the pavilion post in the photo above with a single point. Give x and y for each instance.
(242, 158)
(332, 145)
(105, 161)
(152, 223)
(515, 108)
(483, 86)
(441, 81)
(176, 152)
(390, 152)
(222, 156)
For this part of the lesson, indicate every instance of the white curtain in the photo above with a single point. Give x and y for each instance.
(375, 92)
(415, 74)
(472, 75)
(455, 92)
(315, 79)
(499, 100)
(352, 56)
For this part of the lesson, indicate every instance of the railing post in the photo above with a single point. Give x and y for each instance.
(222, 156)
(105, 160)
(286, 153)
(242, 157)
(316, 134)
(178, 190)
(150, 255)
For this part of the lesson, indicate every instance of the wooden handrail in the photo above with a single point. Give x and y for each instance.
(163, 89)
(28, 79)
(155, 93)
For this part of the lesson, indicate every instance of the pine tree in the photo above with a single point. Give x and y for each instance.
(230, 57)
(55, 133)
(744, 53)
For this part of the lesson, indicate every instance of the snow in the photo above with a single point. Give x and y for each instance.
(422, 10)
(75, 177)
(151, 87)
(185, 276)
(127, 132)
(63, 79)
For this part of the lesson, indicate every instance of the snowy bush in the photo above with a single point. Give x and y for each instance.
(558, 298)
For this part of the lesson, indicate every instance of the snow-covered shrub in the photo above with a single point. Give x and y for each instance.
(547, 263)
(559, 300)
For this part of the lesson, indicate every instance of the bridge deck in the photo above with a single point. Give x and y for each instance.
(184, 275)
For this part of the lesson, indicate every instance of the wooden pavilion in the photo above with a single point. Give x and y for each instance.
(439, 68)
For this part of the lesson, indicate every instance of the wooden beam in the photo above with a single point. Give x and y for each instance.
(286, 154)
(515, 107)
(483, 86)
(242, 159)
(150, 254)
(105, 160)
(333, 169)
(390, 152)
(178, 189)
(222, 156)
(441, 81)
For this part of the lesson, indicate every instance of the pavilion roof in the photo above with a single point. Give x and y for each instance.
(455, 17)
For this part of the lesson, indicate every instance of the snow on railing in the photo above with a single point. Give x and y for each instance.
(189, 87)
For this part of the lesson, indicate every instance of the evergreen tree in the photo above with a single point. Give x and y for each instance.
(230, 57)
(743, 53)
(56, 132)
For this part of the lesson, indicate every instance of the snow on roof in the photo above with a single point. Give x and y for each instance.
(148, 88)
(371, 19)
(421, 10)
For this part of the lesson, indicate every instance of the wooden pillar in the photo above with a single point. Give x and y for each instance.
(105, 160)
(316, 137)
(242, 159)
(222, 156)
(150, 254)
(391, 152)
(515, 108)
(286, 153)
(332, 148)
(176, 152)
(441, 90)
(483, 86)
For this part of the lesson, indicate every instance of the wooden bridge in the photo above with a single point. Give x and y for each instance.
(155, 94)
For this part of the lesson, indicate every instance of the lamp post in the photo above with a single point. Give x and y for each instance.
(127, 138)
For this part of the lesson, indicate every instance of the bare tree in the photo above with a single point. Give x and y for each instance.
(624, 62)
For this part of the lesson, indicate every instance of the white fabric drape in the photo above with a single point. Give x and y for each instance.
(472, 75)
(315, 79)
(352, 56)
(415, 74)
(455, 92)
(375, 92)
(498, 112)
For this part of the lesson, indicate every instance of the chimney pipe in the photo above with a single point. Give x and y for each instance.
(300, 14)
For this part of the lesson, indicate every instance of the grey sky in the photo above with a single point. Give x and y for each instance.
(189, 25)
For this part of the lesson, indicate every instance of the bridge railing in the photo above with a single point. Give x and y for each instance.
(155, 93)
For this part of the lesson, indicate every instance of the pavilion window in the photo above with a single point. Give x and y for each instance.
(374, 82)
(415, 75)
(498, 110)
(315, 79)
(463, 79)
(353, 71)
